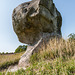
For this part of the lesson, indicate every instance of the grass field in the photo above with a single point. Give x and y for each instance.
(58, 58)
(9, 59)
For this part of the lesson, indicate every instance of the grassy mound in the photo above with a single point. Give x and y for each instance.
(57, 58)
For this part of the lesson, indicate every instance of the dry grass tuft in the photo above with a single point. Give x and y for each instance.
(55, 48)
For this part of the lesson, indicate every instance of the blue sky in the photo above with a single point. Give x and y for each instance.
(8, 39)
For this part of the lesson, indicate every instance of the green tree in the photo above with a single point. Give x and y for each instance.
(71, 36)
(21, 49)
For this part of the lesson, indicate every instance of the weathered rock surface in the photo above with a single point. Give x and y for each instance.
(32, 19)
(36, 22)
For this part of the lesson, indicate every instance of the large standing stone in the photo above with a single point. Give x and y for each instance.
(34, 22)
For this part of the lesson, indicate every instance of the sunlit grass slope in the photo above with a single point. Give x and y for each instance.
(9, 59)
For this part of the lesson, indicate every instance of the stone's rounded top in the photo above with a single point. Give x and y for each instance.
(32, 19)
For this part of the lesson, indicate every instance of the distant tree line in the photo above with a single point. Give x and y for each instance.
(18, 50)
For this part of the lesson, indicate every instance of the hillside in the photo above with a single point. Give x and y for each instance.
(58, 58)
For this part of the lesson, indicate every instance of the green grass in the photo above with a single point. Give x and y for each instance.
(49, 67)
